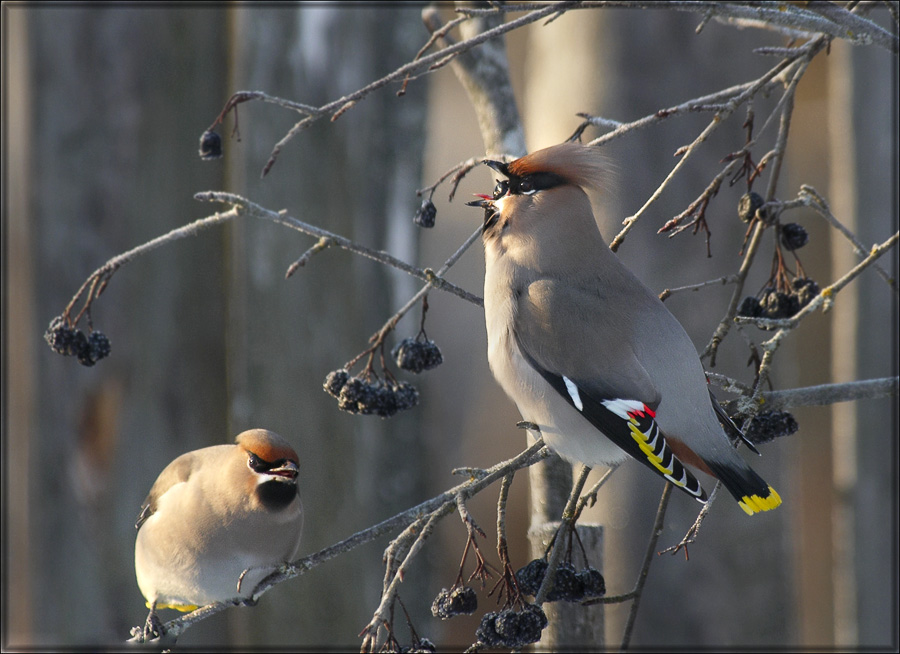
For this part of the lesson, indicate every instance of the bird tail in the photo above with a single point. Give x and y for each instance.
(748, 488)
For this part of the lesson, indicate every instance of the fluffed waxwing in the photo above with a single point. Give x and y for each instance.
(214, 513)
(585, 350)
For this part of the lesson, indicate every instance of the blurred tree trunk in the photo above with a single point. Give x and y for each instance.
(864, 172)
(107, 160)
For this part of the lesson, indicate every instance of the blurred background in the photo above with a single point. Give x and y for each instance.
(103, 107)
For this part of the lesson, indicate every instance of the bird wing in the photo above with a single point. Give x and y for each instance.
(600, 378)
(176, 472)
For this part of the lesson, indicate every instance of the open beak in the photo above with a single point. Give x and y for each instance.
(289, 471)
(485, 202)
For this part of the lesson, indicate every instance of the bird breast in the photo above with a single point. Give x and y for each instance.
(563, 428)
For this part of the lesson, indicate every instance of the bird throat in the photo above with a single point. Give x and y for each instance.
(276, 495)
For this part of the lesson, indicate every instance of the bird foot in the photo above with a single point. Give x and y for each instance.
(152, 632)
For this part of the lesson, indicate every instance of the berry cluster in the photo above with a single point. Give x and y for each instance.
(210, 145)
(459, 600)
(568, 586)
(420, 646)
(426, 214)
(70, 341)
(774, 303)
(415, 355)
(359, 395)
(513, 629)
(769, 425)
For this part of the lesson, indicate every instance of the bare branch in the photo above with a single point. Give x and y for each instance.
(821, 395)
(811, 198)
(257, 211)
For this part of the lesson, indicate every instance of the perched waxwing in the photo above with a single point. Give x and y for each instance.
(586, 351)
(213, 514)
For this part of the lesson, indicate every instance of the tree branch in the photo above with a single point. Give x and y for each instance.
(256, 211)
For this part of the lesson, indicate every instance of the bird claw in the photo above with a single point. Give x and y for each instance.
(152, 632)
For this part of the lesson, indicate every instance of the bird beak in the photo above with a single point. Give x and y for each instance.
(485, 202)
(289, 471)
(491, 211)
(499, 166)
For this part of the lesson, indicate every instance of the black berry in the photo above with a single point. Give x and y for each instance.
(460, 600)
(750, 307)
(354, 391)
(210, 145)
(415, 355)
(518, 629)
(592, 582)
(805, 289)
(95, 347)
(64, 339)
(335, 381)
(426, 214)
(794, 236)
(487, 630)
(566, 586)
(530, 577)
(776, 304)
(748, 205)
(769, 425)
(407, 396)
(532, 621)
(357, 395)
(422, 646)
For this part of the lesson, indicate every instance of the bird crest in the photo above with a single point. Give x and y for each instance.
(577, 164)
(267, 445)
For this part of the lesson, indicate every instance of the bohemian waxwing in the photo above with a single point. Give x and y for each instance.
(585, 350)
(214, 513)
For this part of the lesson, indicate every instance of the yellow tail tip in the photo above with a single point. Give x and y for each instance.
(755, 504)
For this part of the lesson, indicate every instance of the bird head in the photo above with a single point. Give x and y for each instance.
(542, 197)
(272, 464)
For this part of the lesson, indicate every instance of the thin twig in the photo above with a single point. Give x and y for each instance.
(721, 281)
(811, 198)
(322, 244)
(649, 555)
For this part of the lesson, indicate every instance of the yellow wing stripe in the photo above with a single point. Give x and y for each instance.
(754, 503)
(641, 439)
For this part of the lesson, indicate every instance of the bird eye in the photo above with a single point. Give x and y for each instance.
(500, 190)
(526, 186)
(256, 463)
